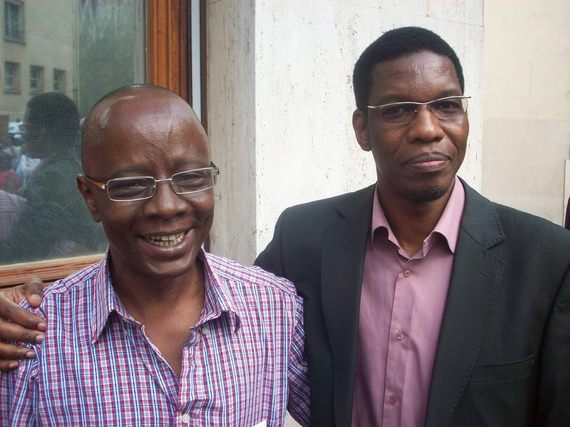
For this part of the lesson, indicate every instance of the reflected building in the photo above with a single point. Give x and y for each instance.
(83, 49)
(37, 53)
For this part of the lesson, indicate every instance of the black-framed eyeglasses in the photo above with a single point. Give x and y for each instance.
(402, 113)
(130, 189)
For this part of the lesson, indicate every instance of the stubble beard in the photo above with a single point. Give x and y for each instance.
(429, 194)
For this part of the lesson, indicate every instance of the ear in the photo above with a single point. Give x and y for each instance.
(360, 126)
(86, 191)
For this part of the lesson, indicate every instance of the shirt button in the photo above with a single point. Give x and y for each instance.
(407, 273)
(400, 335)
(393, 400)
(205, 330)
(185, 418)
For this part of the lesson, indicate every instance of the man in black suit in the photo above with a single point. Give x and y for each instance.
(500, 354)
(425, 303)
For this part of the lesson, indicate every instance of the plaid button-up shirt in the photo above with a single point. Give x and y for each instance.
(242, 364)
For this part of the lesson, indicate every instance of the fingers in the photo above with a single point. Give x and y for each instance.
(14, 332)
(8, 365)
(33, 291)
(17, 324)
(10, 354)
(9, 311)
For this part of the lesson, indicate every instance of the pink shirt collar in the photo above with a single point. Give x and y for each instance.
(447, 226)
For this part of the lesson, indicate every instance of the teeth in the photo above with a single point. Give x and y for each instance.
(169, 240)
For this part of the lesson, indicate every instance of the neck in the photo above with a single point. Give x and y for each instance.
(146, 297)
(411, 221)
(167, 308)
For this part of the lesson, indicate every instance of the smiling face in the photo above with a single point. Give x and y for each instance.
(147, 132)
(415, 162)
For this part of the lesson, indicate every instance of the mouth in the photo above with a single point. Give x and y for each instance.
(429, 161)
(166, 240)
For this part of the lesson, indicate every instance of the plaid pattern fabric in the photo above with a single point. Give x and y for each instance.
(242, 364)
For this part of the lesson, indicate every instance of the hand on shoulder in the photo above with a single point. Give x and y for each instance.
(17, 324)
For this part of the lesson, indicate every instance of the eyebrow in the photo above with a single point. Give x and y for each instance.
(134, 171)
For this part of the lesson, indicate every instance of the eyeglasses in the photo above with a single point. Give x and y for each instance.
(402, 113)
(130, 189)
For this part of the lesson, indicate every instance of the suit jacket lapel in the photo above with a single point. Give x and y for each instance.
(477, 271)
(343, 251)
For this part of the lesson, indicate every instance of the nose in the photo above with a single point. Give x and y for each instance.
(165, 203)
(425, 127)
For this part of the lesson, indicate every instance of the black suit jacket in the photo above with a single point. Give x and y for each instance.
(503, 355)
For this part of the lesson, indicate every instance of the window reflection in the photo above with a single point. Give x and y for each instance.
(51, 77)
(14, 20)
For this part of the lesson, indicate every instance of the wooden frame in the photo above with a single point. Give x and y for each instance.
(167, 66)
(168, 53)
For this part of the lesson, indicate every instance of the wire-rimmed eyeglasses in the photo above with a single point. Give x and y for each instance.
(402, 113)
(130, 189)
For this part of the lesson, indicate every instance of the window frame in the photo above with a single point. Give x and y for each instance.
(59, 78)
(168, 66)
(21, 36)
(17, 88)
(38, 79)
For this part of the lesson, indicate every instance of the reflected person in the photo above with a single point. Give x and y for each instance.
(53, 222)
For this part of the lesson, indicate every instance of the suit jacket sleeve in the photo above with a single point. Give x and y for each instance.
(554, 381)
(270, 258)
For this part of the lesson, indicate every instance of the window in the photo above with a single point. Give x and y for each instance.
(59, 80)
(99, 46)
(14, 20)
(36, 79)
(11, 77)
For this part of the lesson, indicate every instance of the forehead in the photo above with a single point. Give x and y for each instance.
(145, 112)
(421, 76)
(145, 131)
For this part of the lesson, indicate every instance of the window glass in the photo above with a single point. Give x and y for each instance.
(59, 80)
(36, 79)
(14, 20)
(11, 77)
(52, 74)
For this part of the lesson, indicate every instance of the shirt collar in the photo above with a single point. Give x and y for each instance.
(105, 300)
(447, 226)
(218, 300)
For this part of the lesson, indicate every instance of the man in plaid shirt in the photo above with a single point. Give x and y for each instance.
(159, 332)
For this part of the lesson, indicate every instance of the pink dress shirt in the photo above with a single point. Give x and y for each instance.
(401, 310)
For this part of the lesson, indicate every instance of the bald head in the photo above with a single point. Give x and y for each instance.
(147, 110)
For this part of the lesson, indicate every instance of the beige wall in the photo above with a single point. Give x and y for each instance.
(527, 104)
(280, 101)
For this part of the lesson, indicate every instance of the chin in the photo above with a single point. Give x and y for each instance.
(168, 269)
(428, 194)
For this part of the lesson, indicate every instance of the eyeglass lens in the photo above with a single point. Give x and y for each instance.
(144, 187)
(405, 112)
